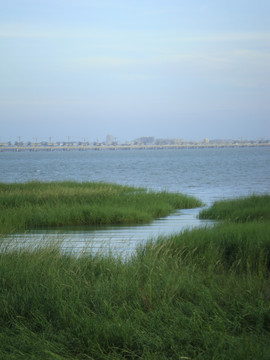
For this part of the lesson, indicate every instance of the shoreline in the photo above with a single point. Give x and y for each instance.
(14, 148)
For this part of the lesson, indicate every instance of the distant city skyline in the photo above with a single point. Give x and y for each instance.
(168, 69)
(103, 139)
(111, 140)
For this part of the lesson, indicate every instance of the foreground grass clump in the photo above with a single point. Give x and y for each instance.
(256, 207)
(33, 205)
(203, 294)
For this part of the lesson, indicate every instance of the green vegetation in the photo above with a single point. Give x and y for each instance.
(242, 209)
(201, 294)
(38, 205)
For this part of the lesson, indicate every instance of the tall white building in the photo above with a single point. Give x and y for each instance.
(110, 139)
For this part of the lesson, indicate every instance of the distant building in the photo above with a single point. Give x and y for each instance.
(146, 140)
(110, 140)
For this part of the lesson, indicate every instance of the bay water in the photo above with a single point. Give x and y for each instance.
(208, 174)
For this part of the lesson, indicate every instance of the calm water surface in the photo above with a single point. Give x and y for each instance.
(209, 174)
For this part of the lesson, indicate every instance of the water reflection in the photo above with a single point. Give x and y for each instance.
(118, 240)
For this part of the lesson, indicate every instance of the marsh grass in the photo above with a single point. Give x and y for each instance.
(201, 294)
(56, 204)
(255, 207)
(184, 296)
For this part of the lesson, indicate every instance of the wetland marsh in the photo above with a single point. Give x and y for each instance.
(200, 294)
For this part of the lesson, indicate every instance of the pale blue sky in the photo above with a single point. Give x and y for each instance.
(175, 69)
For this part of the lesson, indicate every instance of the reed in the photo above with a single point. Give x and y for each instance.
(39, 205)
(202, 294)
(182, 297)
(255, 207)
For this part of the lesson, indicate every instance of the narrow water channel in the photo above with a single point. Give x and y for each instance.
(118, 240)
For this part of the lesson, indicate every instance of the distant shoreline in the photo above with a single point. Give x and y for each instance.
(16, 148)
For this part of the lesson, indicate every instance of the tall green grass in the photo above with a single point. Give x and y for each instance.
(255, 207)
(189, 296)
(202, 294)
(37, 205)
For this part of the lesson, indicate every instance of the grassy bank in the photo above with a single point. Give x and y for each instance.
(38, 205)
(242, 209)
(202, 294)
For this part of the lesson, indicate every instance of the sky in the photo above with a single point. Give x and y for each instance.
(82, 69)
